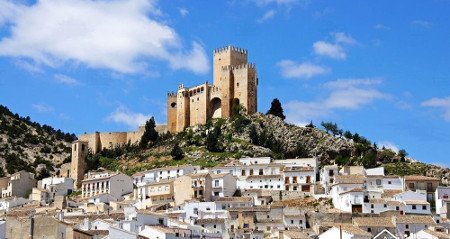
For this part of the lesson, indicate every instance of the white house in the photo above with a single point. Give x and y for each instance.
(442, 200)
(430, 234)
(155, 175)
(350, 201)
(411, 224)
(115, 184)
(299, 178)
(48, 188)
(7, 203)
(327, 176)
(380, 205)
(347, 232)
(223, 185)
(271, 182)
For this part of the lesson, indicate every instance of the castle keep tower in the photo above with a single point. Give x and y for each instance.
(234, 82)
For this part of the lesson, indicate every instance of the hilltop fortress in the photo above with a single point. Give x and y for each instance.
(234, 82)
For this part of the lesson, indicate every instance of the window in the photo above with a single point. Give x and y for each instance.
(389, 182)
(216, 183)
(371, 206)
(251, 172)
(292, 221)
(385, 205)
(411, 186)
(378, 181)
(243, 172)
(196, 211)
(237, 84)
(424, 207)
(74, 147)
(407, 226)
(414, 207)
(261, 172)
(216, 193)
(161, 221)
(82, 147)
(369, 229)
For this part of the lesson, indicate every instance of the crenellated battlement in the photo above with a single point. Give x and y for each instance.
(241, 66)
(230, 48)
(171, 94)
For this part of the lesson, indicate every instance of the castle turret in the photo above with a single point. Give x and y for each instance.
(227, 56)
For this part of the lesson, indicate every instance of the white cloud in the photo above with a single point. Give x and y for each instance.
(344, 94)
(343, 38)
(421, 23)
(287, 3)
(67, 80)
(330, 50)
(305, 70)
(380, 26)
(43, 108)
(183, 12)
(442, 103)
(388, 145)
(268, 15)
(30, 67)
(125, 116)
(122, 36)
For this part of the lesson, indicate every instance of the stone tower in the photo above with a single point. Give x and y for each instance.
(78, 166)
(234, 82)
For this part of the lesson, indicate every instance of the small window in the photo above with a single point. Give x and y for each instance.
(424, 207)
(173, 105)
(414, 207)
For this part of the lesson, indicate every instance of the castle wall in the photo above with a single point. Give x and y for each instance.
(111, 140)
(198, 104)
(183, 109)
(226, 86)
(93, 141)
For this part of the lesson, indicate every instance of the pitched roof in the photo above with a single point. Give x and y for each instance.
(420, 178)
(374, 222)
(210, 220)
(440, 235)
(350, 179)
(353, 190)
(415, 219)
(234, 199)
(353, 230)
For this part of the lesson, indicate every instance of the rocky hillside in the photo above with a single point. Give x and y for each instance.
(27, 145)
(260, 135)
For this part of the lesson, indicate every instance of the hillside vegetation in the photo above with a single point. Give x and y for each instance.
(30, 146)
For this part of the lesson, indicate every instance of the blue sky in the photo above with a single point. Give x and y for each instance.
(379, 68)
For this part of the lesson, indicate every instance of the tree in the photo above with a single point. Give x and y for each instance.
(310, 125)
(212, 140)
(331, 127)
(370, 159)
(253, 134)
(276, 109)
(177, 153)
(150, 134)
(402, 154)
(348, 135)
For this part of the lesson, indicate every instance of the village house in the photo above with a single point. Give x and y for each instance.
(345, 232)
(443, 201)
(200, 186)
(48, 188)
(375, 225)
(421, 183)
(161, 192)
(155, 175)
(114, 184)
(348, 194)
(18, 184)
(299, 178)
(10, 202)
(327, 176)
(410, 224)
(222, 185)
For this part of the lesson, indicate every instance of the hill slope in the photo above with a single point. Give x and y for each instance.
(24, 145)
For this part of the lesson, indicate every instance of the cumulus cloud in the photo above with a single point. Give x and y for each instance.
(268, 15)
(287, 3)
(380, 26)
(43, 108)
(441, 103)
(183, 12)
(67, 80)
(122, 36)
(330, 50)
(388, 145)
(421, 23)
(343, 94)
(305, 70)
(334, 49)
(125, 116)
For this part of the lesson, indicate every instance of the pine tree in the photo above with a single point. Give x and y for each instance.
(177, 153)
(276, 109)
(150, 133)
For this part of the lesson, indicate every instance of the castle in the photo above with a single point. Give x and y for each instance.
(234, 82)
